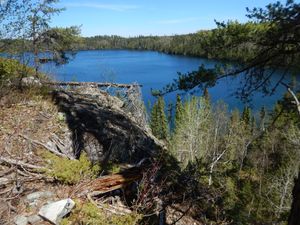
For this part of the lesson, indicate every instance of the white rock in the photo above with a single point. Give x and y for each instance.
(34, 219)
(55, 211)
(39, 194)
(21, 220)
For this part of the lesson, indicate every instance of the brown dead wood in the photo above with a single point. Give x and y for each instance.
(109, 183)
(97, 84)
(19, 163)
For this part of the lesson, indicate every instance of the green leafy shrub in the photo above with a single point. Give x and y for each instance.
(11, 69)
(87, 213)
(70, 171)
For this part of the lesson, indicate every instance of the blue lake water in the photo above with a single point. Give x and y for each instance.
(152, 70)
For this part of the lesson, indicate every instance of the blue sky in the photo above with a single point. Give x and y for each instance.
(150, 17)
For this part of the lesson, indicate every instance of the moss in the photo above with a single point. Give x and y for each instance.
(113, 168)
(70, 171)
(87, 213)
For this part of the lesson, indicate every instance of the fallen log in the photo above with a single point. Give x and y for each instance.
(97, 84)
(109, 183)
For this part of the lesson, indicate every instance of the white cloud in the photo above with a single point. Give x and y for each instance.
(177, 21)
(113, 7)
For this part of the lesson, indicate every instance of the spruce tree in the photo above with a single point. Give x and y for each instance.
(159, 124)
(170, 114)
(178, 111)
(163, 132)
(154, 123)
(246, 116)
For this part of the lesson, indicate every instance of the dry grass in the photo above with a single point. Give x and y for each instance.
(33, 115)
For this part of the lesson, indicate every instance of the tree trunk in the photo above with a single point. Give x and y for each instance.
(294, 218)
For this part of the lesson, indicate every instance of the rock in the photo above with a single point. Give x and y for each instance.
(39, 194)
(100, 120)
(31, 81)
(21, 220)
(34, 219)
(55, 211)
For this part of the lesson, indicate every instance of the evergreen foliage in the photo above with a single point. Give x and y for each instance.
(159, 124)
(251, 169)
(246, 115)
(178, 111)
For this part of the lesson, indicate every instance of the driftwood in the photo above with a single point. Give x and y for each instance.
(96, 84)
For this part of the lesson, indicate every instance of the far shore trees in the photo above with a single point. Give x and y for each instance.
(25, 27)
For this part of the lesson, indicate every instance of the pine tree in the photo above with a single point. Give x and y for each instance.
(246, 116)
(159, 124)
(163, 132)
(154, 123)
(170, 114)
(178, 112)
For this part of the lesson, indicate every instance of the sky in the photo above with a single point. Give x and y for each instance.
(130, 18)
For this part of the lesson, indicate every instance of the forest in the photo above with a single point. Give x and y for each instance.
(207, 43)
(220, 165)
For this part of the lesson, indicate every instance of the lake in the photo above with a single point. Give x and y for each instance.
(152, 70)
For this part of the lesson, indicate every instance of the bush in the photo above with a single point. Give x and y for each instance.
(70, 171)
(11, 69)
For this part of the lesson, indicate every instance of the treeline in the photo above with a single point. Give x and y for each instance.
(202, 43)
(246, 163)
(231, 41)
